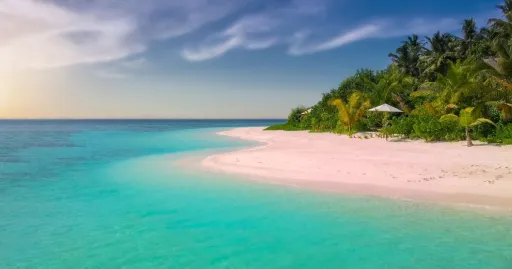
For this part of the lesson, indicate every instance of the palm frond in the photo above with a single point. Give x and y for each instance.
(502, 82)
(455, 98)
(405, 108)
(506, 110)
(449, 117)
(362, 109)
(482, 121)
(342, 110)
(423, 93)
(466, 117)
(354, 100)
(431, 109)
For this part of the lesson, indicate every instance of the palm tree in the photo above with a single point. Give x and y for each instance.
(442, 50)
(467, 119)
(407, 56)
(481, 46)
(351, 112)
(391, 83)
(500, 73)
(506, 7)
(401, 58)
(446, 93)
(471, 39)
(503, 27)
(469, 30)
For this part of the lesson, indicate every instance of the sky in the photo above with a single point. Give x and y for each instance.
(200, 58)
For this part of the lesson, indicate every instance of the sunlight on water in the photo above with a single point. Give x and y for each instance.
(108, 195)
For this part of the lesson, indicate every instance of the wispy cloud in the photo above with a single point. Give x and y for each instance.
(44, 34)
(187, 16)
(298, 46)
(57, 33)
(379, 29)
(214, 50)
(291, 26)
(255, 31)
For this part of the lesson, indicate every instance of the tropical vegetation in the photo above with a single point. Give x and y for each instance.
(447, 85)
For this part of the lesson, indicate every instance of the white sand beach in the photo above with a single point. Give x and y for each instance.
(440, 172)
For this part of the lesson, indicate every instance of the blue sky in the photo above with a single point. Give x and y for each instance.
(200, 58)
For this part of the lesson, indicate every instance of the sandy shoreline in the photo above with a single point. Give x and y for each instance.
(439, 172)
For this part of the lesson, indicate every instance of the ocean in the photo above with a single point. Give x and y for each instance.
(109, 194)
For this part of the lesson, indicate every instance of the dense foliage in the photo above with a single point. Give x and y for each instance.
(450, 87)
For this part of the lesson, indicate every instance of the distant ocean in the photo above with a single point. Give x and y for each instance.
(106, 194)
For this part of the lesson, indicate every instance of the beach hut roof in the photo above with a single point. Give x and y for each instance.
(386, 108)
(306, 112)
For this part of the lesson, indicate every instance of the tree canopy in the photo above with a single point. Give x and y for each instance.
(428, 78)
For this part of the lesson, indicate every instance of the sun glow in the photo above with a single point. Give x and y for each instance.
(24, 93)
(5, 92)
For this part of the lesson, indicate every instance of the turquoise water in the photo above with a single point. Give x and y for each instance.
(105, 194)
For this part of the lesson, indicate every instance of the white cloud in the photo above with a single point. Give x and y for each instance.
(219, 49)
(366, 31)
(261, 44)
(57, 33)
(187, 16)
(376, 30)
(254, 31)
(352, 36)
(212, 51)
(44, 34)
(285, 26)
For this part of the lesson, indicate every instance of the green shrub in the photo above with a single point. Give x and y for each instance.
(306, 123)
(431, 128)
(372, 121)
(388, 131)
(401, 126)
(493, 113)
(283, 127)
(484, 131)
(323, 122)
(504, 134)
(491, 139)
(295, 116)
(452, 131)
(427, 127)
(340, 128)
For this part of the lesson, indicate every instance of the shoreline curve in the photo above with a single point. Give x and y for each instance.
(447, 173)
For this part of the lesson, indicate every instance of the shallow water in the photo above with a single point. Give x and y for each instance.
(105, 194)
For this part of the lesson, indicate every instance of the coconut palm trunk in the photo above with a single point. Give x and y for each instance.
(468, 138)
